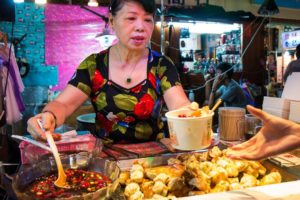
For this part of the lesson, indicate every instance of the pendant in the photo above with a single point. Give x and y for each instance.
(128, 80)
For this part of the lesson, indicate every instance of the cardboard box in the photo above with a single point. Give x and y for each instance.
(277, 106)
(294, 114)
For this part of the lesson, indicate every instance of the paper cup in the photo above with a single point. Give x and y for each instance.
(189, 133)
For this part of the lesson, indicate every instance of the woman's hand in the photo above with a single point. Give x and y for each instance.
(217, 82)
(276, 136)
(48, 122)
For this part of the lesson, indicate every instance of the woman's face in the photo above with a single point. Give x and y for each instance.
(133, 26)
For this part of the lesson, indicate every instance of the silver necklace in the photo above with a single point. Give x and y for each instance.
(128, 79)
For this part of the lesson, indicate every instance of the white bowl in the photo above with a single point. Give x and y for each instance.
(189, 133)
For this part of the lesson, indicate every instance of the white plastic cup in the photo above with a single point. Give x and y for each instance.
(189, 133)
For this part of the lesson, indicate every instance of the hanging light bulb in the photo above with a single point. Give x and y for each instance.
(19, 1)
(93, 3)
(268, 7)
(40, 1)
(105, 38)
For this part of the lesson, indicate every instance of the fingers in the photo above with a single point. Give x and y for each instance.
(247, 155)
(245, 150)
(35, 130)
(258, 113)
(243, 145)
(47, 120)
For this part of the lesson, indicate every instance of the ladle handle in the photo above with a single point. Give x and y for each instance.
(53, 147)
(216, 105)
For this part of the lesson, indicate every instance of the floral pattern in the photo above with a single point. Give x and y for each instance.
(126, 114)
(144, 107)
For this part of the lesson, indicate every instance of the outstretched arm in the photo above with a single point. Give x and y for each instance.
(276, 136)
(55, 112)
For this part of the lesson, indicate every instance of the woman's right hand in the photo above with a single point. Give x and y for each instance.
(48, 123)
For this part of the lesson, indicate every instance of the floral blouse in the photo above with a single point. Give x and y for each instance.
(126, 114)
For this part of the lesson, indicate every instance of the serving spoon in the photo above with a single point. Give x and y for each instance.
(62, 177)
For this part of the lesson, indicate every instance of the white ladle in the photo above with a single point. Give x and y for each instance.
(62, 177)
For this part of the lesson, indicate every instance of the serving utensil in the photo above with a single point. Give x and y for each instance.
(62, 177)
(219, 101)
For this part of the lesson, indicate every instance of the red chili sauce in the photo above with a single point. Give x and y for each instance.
(80, 181)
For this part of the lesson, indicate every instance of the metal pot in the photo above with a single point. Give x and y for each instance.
(28, 174)
(86, 122)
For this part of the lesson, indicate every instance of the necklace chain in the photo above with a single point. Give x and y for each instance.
(128, 79)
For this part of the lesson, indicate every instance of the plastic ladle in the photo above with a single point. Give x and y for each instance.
(216, 105)
(61, 181)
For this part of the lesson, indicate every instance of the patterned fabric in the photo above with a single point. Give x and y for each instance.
(126, 114)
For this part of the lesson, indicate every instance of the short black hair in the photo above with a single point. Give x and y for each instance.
(116, 5)
(225, 67)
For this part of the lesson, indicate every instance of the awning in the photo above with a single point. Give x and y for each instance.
(206, 12)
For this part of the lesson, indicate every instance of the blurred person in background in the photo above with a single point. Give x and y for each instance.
(226, 89)
(293, 66)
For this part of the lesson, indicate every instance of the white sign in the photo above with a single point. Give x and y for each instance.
(290, 39)
(291, 87)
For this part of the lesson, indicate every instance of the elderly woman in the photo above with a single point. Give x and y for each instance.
(127, 83)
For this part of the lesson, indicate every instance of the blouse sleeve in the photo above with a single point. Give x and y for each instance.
(168, 74)
(83, 74)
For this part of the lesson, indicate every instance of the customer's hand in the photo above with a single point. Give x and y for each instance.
(276, 136)
(48, 123)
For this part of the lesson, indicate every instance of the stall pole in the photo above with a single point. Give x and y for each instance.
(162, 31)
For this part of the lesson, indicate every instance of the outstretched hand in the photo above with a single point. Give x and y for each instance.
(276, 136)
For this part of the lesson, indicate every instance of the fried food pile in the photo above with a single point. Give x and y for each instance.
(194, 174)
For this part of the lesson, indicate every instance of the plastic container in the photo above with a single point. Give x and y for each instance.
(231, 123)
(31, 154)
(189, 133)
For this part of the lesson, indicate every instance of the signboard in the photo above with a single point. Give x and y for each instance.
(290, 39)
